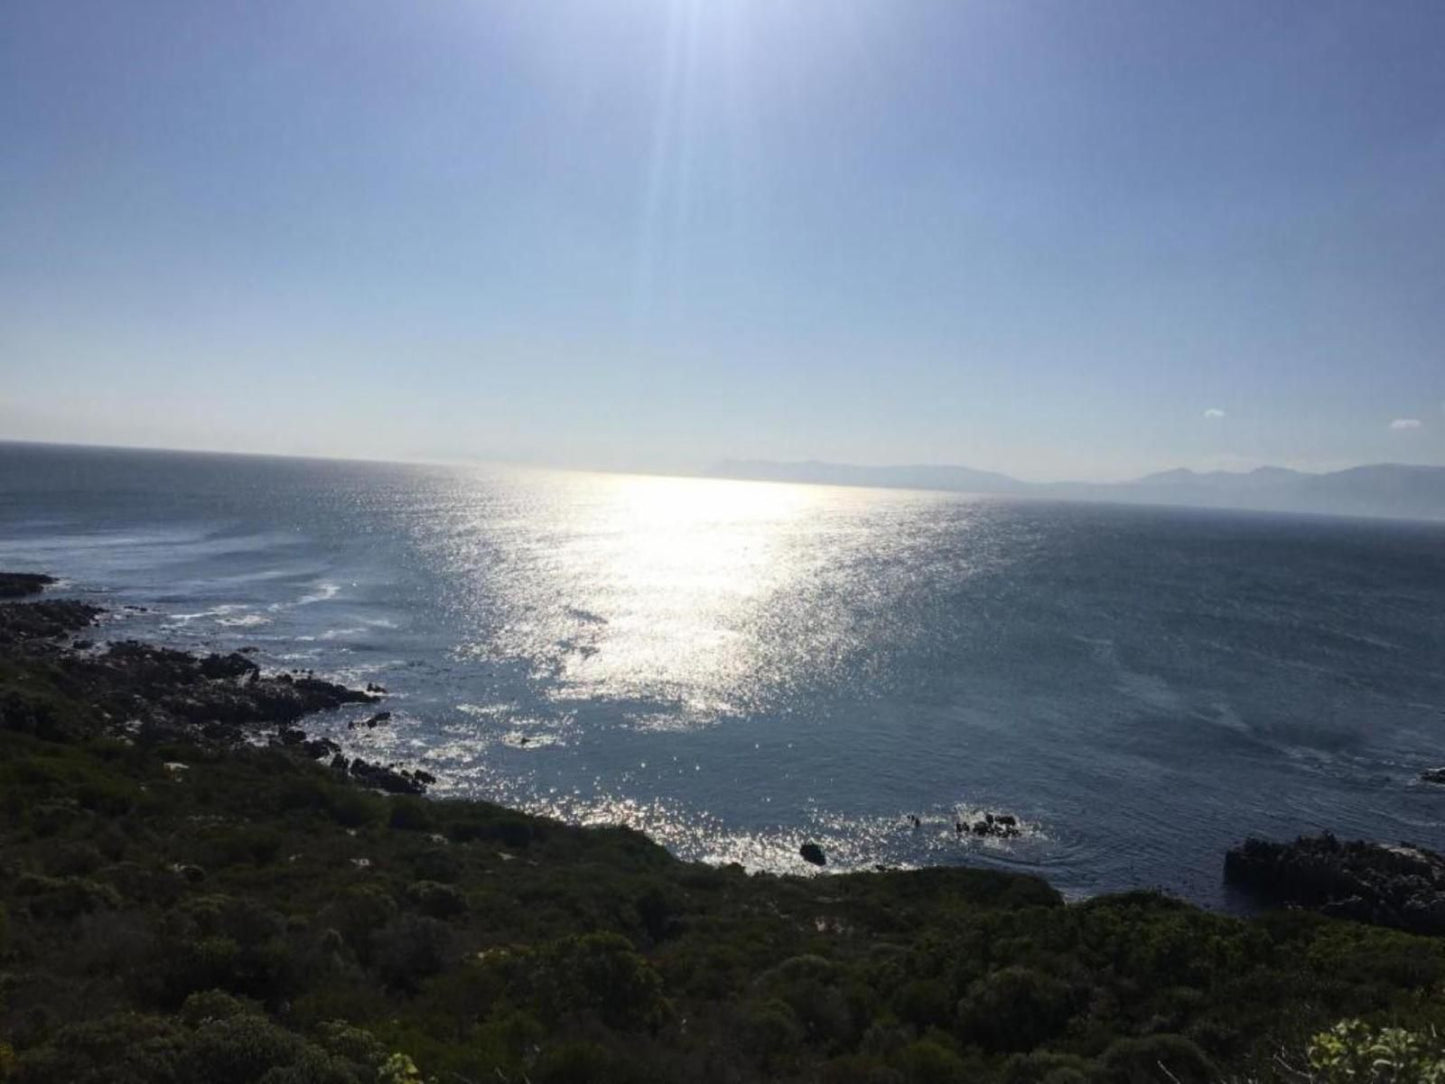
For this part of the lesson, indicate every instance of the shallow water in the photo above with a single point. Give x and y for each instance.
(736, 667)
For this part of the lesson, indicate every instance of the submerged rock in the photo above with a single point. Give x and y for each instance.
(374, 721)
(813, 853)
(1387, 885)
(1433, 775)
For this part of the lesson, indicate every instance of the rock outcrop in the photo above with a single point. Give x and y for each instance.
(1397, 885)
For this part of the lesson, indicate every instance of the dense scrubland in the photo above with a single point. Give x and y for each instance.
(180, 902)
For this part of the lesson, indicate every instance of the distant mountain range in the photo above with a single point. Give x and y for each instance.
(1387, 489)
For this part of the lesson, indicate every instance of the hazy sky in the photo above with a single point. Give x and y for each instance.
(1063, 239)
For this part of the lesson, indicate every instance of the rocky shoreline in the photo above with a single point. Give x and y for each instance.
(1399, 885)
(157, 694)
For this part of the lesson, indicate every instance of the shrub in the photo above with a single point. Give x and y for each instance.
(1015, 1009)
(771, 1032)
(929, 1062)
(435, 899)
(409, 949)
(211, 1005)
(357, 913)
(602, 974)
(126, 1048)
(64, 898)
(239, 1050)
(1139, 1061)
(412, 814)
(1352, 1052)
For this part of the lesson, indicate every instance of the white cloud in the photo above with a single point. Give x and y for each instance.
(1214, 412)
(1405, 423)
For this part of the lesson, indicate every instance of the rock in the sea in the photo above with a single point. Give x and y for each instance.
(1433, 775)
(813, 853)
(1388, 885)
(1002, 825)
(371, 723)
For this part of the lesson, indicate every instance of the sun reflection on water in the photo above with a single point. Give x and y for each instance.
(663, 592)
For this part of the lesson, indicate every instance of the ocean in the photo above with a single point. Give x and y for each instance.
(738, 667)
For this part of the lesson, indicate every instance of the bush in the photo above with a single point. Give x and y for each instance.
(1015, 1009)
(1352, 1052)
(598, 973)
(435, 899)
(409, 949)
(928, 1062)
(357, 913)
(64, 898)
(412, 814)
(126, 1048)
(771, 1033)
(212, 1005)
(581, 1063)
(239, 1050)
(1139, 1061)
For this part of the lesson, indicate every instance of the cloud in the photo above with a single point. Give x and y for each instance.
(1214, 412)
(1405, 423)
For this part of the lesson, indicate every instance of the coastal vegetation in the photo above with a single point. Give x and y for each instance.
(191, 892)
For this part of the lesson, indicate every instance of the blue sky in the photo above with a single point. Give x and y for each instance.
(1041, 237)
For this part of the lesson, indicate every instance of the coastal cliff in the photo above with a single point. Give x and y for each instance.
(192, 888)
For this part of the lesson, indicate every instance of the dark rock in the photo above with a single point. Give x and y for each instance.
(194, 874)
(371, 723)
(813, 853)
(1433, 775)
(320, 748)
(386, 778)
(222, 667)
(1002, 825)
(33, 621)
(1401, 886)
(424, 777)
(20, 584)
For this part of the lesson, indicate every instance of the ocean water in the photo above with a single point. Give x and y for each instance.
(737, 667)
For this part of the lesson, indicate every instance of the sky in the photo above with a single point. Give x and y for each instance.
(1063, 239)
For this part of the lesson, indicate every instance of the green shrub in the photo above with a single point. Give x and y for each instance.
(212, 1005)
(598, 973)
(126, 1048)
(929, 1062)
(771, 1033)
(1353, 1052)
(1145, 1061)
(64, 898)
(412, 814)
(408, 949)
(356, 914)
(1015, 1009)
(436, 899)
(239, 1050)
